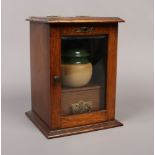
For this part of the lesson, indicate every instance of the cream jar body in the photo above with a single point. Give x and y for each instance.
(76, 68)
(76, 75)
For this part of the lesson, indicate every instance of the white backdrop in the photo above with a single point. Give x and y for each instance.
(134, 80)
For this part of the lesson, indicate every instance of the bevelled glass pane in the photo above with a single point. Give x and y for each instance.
(84, 60)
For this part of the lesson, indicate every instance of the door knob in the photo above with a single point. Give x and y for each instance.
(56, 78)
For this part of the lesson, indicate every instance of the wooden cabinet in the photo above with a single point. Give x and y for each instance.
(58, 110)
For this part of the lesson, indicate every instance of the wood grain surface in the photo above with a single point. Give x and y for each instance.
(84, 94)
(48, 133)
(40, 70)
(77, 19)
(48, 97)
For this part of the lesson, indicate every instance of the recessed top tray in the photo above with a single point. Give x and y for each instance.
(77, 19)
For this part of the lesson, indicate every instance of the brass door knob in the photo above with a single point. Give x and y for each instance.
(56, 78)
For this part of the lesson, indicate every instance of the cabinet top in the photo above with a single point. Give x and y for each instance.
(77, 19)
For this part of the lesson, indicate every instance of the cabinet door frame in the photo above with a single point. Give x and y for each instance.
(108, 114)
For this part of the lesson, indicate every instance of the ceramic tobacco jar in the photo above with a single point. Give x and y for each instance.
(76, 68)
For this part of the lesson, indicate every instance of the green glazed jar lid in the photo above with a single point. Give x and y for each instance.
(75, 53)
(75, 56)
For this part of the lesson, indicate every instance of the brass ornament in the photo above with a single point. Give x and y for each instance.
(81, 107)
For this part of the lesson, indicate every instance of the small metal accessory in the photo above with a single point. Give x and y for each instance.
(84, 29)
(81, 107)
(56, 78)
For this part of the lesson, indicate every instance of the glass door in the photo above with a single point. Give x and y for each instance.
(83, 67)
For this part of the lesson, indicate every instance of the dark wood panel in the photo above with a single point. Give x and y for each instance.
(40, 70)
(89, 86)
(89, 95)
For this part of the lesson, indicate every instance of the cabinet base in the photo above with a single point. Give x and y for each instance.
(69, 131)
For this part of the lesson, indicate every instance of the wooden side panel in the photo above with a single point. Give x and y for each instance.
(40, 70)
(55, 56)
(111, 71)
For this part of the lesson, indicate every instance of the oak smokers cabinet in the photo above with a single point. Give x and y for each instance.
(73, 74)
